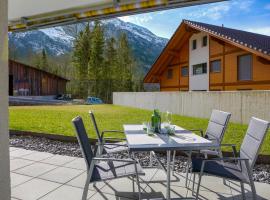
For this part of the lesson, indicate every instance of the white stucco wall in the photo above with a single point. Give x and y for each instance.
(4, 136)
(198, 56)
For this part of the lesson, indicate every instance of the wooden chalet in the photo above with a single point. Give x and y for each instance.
(202, 57)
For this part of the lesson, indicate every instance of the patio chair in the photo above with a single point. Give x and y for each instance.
(107, 148)
(217, 126)
(102, 169)
(236, 168)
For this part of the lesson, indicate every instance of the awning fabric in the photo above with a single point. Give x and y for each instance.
(29, 14)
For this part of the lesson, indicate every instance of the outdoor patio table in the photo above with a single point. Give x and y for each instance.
(139, 140)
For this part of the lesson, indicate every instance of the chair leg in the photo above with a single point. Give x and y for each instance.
(199, 184)
(139, 187)
(253, 190)
(243, 190)
(133, 183)
(193, 184)
(187, 168)
(86, 186)
(151, 159)
(221, 156)
(173, 162)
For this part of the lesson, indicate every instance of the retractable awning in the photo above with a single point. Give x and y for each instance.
(29, 14)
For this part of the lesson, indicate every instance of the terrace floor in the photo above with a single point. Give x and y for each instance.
(39, 175)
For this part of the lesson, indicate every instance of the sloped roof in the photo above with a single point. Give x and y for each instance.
(43, 71)
(254, 41)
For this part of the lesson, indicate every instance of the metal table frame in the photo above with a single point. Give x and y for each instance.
(168, 147)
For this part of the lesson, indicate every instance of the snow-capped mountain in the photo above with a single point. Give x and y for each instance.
(58, 41)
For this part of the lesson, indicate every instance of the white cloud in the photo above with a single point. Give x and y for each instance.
(243, 5)
(217, 10)
(212, 12)
(261, 30)
(137, 19)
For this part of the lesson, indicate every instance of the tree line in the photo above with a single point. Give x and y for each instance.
(102, 65)
(97, 66)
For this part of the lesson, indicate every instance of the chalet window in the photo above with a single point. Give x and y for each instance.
(194, 44)
(169, 74)
(244, 67)
(215, 66)
(199, 69)
(184, 71)
(204, 41)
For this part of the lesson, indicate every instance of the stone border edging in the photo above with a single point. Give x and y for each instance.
(262, 159)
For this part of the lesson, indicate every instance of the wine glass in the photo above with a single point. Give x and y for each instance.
(169, 117)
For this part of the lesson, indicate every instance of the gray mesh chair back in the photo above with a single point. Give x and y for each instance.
(217, 125)
(93, 119)
(253, 140)
(83, 140)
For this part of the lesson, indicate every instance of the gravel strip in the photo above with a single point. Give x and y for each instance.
(261, 172)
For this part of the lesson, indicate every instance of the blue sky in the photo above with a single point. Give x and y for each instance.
(249, 15)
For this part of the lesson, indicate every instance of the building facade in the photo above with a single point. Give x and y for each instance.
(25, 80)
(202, 57)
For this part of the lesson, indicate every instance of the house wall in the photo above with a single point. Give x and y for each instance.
(227, 78)
(4, 133)
(177, 82)
(198, 56)
(35, 81)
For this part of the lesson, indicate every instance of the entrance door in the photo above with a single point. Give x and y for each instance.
(10, 85)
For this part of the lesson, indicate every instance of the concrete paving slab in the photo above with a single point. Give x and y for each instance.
(21, 152)
(78, 163)
(58, 160)
(63, 178)
(123, 187)
(13, 149)
(17, 179)
(18, 163)
(203, 195)
(33, 189)
(262, 189)
(104, 196)
(79, 181)
(66, 192)
(37, 156)
(35, 169)
(61, 174)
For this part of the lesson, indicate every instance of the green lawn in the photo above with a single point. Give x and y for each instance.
(57, 120)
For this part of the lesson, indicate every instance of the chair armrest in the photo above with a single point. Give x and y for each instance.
(112, 131)
(112, 138)
(224, 159)
(115, 159)
(198, 130)
(233, 148)
(114, 144)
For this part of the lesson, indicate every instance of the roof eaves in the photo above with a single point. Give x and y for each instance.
(225, 37)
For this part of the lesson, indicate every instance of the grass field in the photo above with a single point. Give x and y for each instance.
(57, 120)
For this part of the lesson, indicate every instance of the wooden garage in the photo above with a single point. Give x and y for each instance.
(25, 80)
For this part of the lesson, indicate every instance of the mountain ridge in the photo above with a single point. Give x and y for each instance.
(59, 41)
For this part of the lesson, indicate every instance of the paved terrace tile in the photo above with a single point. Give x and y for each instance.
(42, 176)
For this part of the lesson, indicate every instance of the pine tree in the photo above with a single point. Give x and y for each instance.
(110, 66)
(81, 58)
(125, 64)
(44, 61)
(96, 69)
